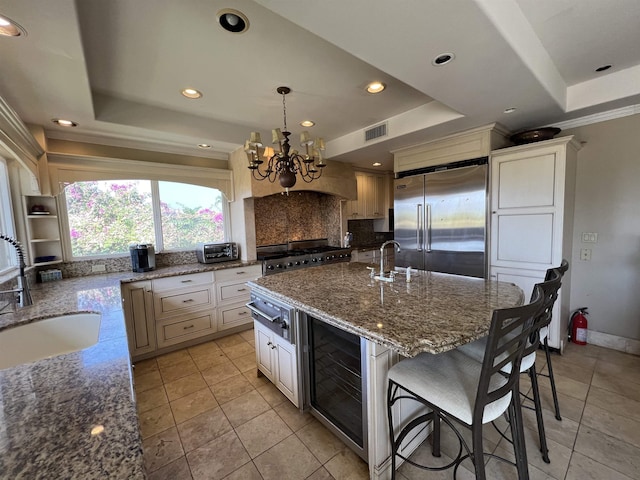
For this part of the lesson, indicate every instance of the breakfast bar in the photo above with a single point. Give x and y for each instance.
(430, 312)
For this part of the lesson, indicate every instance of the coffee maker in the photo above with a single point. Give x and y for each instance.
(143, 257)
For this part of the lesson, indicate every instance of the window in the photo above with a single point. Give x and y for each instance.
(105, 217)
(8, 257)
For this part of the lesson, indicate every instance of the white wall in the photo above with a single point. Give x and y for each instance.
(608, 203)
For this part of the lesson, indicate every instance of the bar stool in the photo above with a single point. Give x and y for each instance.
(458, 388)
(544, 341)
(476, 350)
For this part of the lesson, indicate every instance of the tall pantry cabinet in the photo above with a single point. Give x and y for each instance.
(532, 194)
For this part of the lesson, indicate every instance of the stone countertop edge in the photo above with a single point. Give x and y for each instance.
(433, 313)
(49, 299)
(50, 406)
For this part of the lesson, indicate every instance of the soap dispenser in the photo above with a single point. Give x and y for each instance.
(408, 274)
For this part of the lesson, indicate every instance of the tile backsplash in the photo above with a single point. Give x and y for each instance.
(297, 216)
(364, 234)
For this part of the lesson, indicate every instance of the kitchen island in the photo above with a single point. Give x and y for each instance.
(432, 313)
(74, 415)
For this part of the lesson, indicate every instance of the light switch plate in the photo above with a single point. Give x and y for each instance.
(98, 268)
(589, 237)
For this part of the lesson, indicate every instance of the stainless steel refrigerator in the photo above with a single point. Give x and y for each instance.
(441, 218)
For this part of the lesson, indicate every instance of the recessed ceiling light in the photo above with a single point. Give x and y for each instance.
(204, 145)
(191, 93)
(64, 123)
(510, 110)
(443, 59)
(377, 164)
(307, 123)
(376, 87)
(232, 20)
(603, 68)
(9, 28)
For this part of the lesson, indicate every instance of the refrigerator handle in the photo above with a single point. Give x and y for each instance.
(419, 226)
(428, 229)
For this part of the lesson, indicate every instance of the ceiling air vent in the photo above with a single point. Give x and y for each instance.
(375, 132)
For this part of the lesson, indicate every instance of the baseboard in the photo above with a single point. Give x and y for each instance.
(623, 344)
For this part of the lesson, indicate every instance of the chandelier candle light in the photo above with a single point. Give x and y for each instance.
(285, 164)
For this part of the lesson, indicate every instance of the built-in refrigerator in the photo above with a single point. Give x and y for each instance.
(441, 218)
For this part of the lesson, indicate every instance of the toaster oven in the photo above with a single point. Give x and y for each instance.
(216, 252)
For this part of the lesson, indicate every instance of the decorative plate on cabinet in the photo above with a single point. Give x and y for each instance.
(535, 135)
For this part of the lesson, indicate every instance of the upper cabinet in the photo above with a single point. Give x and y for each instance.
(372, 197)
(43, 231)
(532, 194)
(467, 145)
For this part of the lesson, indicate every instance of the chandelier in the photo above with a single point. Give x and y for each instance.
(285, 164)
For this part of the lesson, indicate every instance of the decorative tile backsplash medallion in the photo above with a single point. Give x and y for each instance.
(298, 216)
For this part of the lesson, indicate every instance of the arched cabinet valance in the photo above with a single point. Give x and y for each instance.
(65, 169)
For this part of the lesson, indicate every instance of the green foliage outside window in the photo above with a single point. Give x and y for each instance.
(106, 217)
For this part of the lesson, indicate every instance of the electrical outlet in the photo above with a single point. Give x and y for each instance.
(98, 268)
(585, 254)
(588, 237)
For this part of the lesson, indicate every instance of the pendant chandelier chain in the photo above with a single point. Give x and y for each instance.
(284, 111)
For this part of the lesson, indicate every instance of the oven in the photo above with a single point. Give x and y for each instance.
(298, 254)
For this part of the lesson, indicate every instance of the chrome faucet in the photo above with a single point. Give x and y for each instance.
(381, 275)
(22, 289)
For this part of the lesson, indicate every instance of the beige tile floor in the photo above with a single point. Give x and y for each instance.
(204, 414)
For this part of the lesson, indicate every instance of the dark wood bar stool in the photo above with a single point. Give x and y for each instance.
(460, 390)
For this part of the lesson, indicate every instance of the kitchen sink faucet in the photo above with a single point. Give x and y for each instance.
(381, 275)
(22, 289)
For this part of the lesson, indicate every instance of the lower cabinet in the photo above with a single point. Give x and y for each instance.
(137, 302)
(277, 360)
(233, 293)
(169, 311)
(186, 327)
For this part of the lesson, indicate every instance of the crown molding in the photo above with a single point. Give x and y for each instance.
(598, 117)
(137, 143)
(17, 139)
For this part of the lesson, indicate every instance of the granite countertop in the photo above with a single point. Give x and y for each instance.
(435, 312)
(48, 407)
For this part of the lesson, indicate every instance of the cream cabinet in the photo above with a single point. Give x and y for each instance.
(233, 293)
(184, 308)
(532, 194)
(166, 312)
(277, 360)
(43, 230)
(137, 303)
(372, 197)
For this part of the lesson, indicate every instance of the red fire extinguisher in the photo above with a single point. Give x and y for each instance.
(578, 326)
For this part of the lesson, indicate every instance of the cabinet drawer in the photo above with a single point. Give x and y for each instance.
(232, 317)
(234, 292)
(194, 327)
(240, 273)
(182, 281)
(170, 304)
